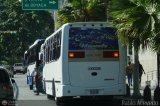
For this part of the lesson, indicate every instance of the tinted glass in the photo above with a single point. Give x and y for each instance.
(4, 77)
(93, 38)
(18, 64)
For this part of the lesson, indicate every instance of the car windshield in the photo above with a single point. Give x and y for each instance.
(18, 64)
(3, 76)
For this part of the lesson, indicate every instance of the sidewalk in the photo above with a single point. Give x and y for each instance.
(141, 89)
(151, 83)
(135, 99)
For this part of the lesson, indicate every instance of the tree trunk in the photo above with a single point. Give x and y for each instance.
(136, 91)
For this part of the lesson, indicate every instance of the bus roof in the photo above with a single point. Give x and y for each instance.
(36, 42)
(109, 24)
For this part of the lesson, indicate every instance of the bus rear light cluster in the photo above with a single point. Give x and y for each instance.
(76, 55)
(111, 54)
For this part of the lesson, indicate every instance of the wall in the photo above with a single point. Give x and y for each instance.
(148, 59)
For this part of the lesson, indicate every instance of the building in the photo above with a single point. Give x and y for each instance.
(149, 61)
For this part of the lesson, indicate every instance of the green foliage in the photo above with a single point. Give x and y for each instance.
(29, 26)
(137, 21)
(82, 10)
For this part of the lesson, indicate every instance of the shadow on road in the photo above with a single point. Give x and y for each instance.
(93, 103)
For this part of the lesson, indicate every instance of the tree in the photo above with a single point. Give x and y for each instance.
(83, 10)
(137, 22)
(29, 26)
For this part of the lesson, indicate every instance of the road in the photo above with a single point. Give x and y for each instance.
(26, 97)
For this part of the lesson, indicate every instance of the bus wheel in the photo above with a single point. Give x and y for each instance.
(58, 101)
(49, 96)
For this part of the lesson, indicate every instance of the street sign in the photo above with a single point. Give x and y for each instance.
(8, 32)
(39, 4)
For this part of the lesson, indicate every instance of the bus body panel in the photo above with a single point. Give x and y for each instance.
(91, 74)
(64, 55)
(51, 75)
(73, 91)
(52, 71)
(123, 63)
(84, 77)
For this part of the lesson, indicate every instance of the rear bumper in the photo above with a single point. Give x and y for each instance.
(67, 90)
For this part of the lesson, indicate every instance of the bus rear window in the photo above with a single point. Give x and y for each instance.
(93, 38)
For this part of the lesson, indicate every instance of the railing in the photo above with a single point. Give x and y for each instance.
(152, 79)
(152, 75)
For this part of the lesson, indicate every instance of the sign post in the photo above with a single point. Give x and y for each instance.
(39, 4)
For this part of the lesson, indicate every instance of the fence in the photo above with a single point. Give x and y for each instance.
(152, 78)
(152, 75)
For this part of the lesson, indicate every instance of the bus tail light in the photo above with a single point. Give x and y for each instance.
(76, 55)
(111, 54)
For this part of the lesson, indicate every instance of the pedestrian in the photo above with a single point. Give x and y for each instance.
(38, 82)
(141, 71)
(129, 72)
(40, 67)
(38, 77)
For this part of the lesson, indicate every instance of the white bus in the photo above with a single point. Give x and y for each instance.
(41, 53)
(84, 59)
(31, 57)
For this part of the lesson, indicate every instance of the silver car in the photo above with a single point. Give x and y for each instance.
(6, 86)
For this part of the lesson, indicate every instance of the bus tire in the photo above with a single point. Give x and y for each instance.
(58, 101)
(63, 100)
(49, 96)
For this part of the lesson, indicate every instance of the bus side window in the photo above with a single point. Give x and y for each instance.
(46, 54)
(59, 44)
(52, 49)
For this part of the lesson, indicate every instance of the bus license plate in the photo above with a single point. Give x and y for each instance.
(94, 91)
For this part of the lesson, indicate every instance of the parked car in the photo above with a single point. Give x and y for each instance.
(19, 68)
(6, 86)
(9, 70)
